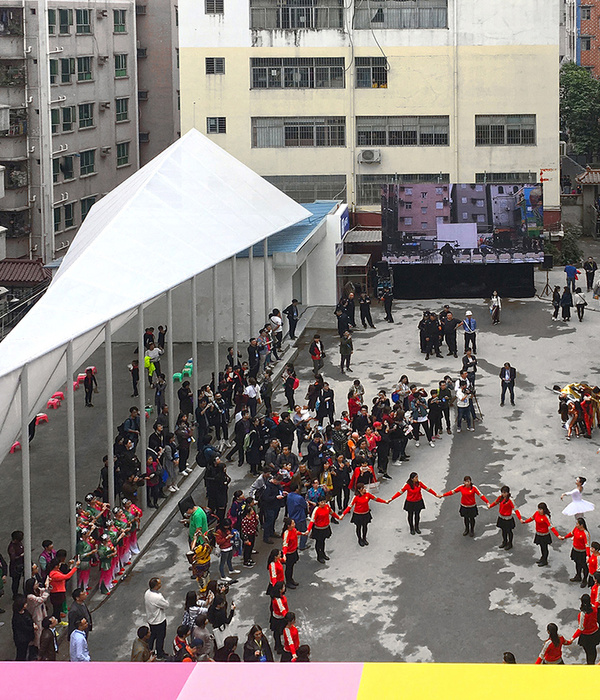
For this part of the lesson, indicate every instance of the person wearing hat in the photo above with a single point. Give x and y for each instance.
(470, 329)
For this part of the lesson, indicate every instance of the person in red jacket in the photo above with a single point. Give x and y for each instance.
(592, 561)
(279, 609)
(290, 550)
(468, 508)
(275, 569)
(587, 632)
(414, 503)
(581, 546)
(319, 524)
(505, 521)
(362, 513)
(291, 639)
(594, 597)
(551, 652)
(58, 586)
(363, 473)
(543, 527)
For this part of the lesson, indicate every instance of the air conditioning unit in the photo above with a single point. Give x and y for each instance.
(104, 105)
(370, 155)
(102, 60)
(105, 150)
(101, 13)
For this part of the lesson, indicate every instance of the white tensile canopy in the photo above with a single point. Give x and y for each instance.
(194, 203)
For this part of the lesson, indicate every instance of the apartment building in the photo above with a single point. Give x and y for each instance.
(588, 48)
(68, 75)
(333, 98)
(158, 76)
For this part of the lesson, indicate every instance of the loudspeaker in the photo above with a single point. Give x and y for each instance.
(548, 263)
(185, 504)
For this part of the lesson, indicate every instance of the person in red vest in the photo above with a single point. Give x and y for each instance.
(414, 503)
(543, 527)
(468, 508)
(505, 521)
(362, 512)
(551, 652)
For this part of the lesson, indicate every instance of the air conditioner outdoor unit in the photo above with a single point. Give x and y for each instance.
(102, 59)
(101, 13)
(104, 105)
(370, 155)
(105, 150)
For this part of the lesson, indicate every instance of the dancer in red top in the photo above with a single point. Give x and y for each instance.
(279, 609)
(594, 597)
(468, 509)
(552, 650)
(592, 561)
(581, 546)
(275, 569)
(290, 550)
(320, 520)
(362, 513)
(291, 639)
(505, 521)
(414, 503)
(543, 526)
(363, 474)
(587, 632)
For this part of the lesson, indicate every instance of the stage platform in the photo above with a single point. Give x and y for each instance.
(462, 281)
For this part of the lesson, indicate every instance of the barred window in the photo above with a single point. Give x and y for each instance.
(87, 162)
(368, 187)
(86, 115)
(521, 178)
(307, 188)
(214, 66)
(296, 14)
(214, 7)
(391, 14)
(292, 132)
(402, 131)
(371, 71)
(297, 73)
(216, 125)
(505, 130)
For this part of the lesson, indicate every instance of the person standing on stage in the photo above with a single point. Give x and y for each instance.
(505, 521)
(543, 527)
(414, 503)
(468, 508)
(362, 513)
(449, 326)
(470, 329)
(364, 303)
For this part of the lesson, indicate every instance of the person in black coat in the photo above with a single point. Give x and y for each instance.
(326, 404)
(508, 376)
(566, 302)
(343, 321)
(388, 298)
(186, 398)
(22, 627)
(253, 358)
(364, 303)
(257, 646)
(449, 326)
(292, 316)
(217, 488)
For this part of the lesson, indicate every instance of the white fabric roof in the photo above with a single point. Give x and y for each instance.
(194, 202)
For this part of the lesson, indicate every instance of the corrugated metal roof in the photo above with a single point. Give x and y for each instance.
(354, 260)
(15, 272)
(291, 239)
(589, 177)
(370, 236)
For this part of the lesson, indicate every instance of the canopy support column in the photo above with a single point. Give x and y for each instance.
(142, 389)
(234, 305)
(71, 448)
(267, 288)
(170, 368)
(215, 331)
(251, 290)
(110, 417)
(195, 369)
(25, 468)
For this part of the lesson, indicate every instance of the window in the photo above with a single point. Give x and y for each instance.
(402, 131)
(55, 169)
(86, 204)
(424, 226)
(296, 14)
(122, 109)
(214, 66)
(84, 68)
(423, 209)
(87, 162)
(391, 14)
(51, 22)
(480, 202)
(119, 17)
(57, 218)
(120, 65)
(67, 168)
(216, 125)
(140, 9)
(55, 119)
(69, 211)
(68, 118)
(67, 70)
(505, 130)
(480, 218)
(439, 219)
(65, 20)
(408, 205)
(214, 7)
(297, 73)
(408, 220)
(465, 215)
(284, 132)
(586, 43)
(82, 22)
(368, 187)
(307, 188)
(53, 71)
(423, 195)
(371, 72)
(507, 177)
(122, 154)
(439, 205)
(86, 115)
(586, 12)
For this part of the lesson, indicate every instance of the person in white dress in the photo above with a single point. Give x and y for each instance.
(578, 505)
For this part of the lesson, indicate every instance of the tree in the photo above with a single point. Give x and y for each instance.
(580, 108)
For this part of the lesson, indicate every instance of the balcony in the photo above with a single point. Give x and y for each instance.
(15, 174)
(17, 223)
(17, 125)
(12, 74)
(293, 15)
(11, 21)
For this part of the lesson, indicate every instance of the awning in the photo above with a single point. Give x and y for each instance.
(370, 236)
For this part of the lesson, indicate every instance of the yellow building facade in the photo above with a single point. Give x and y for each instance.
(328, 99)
